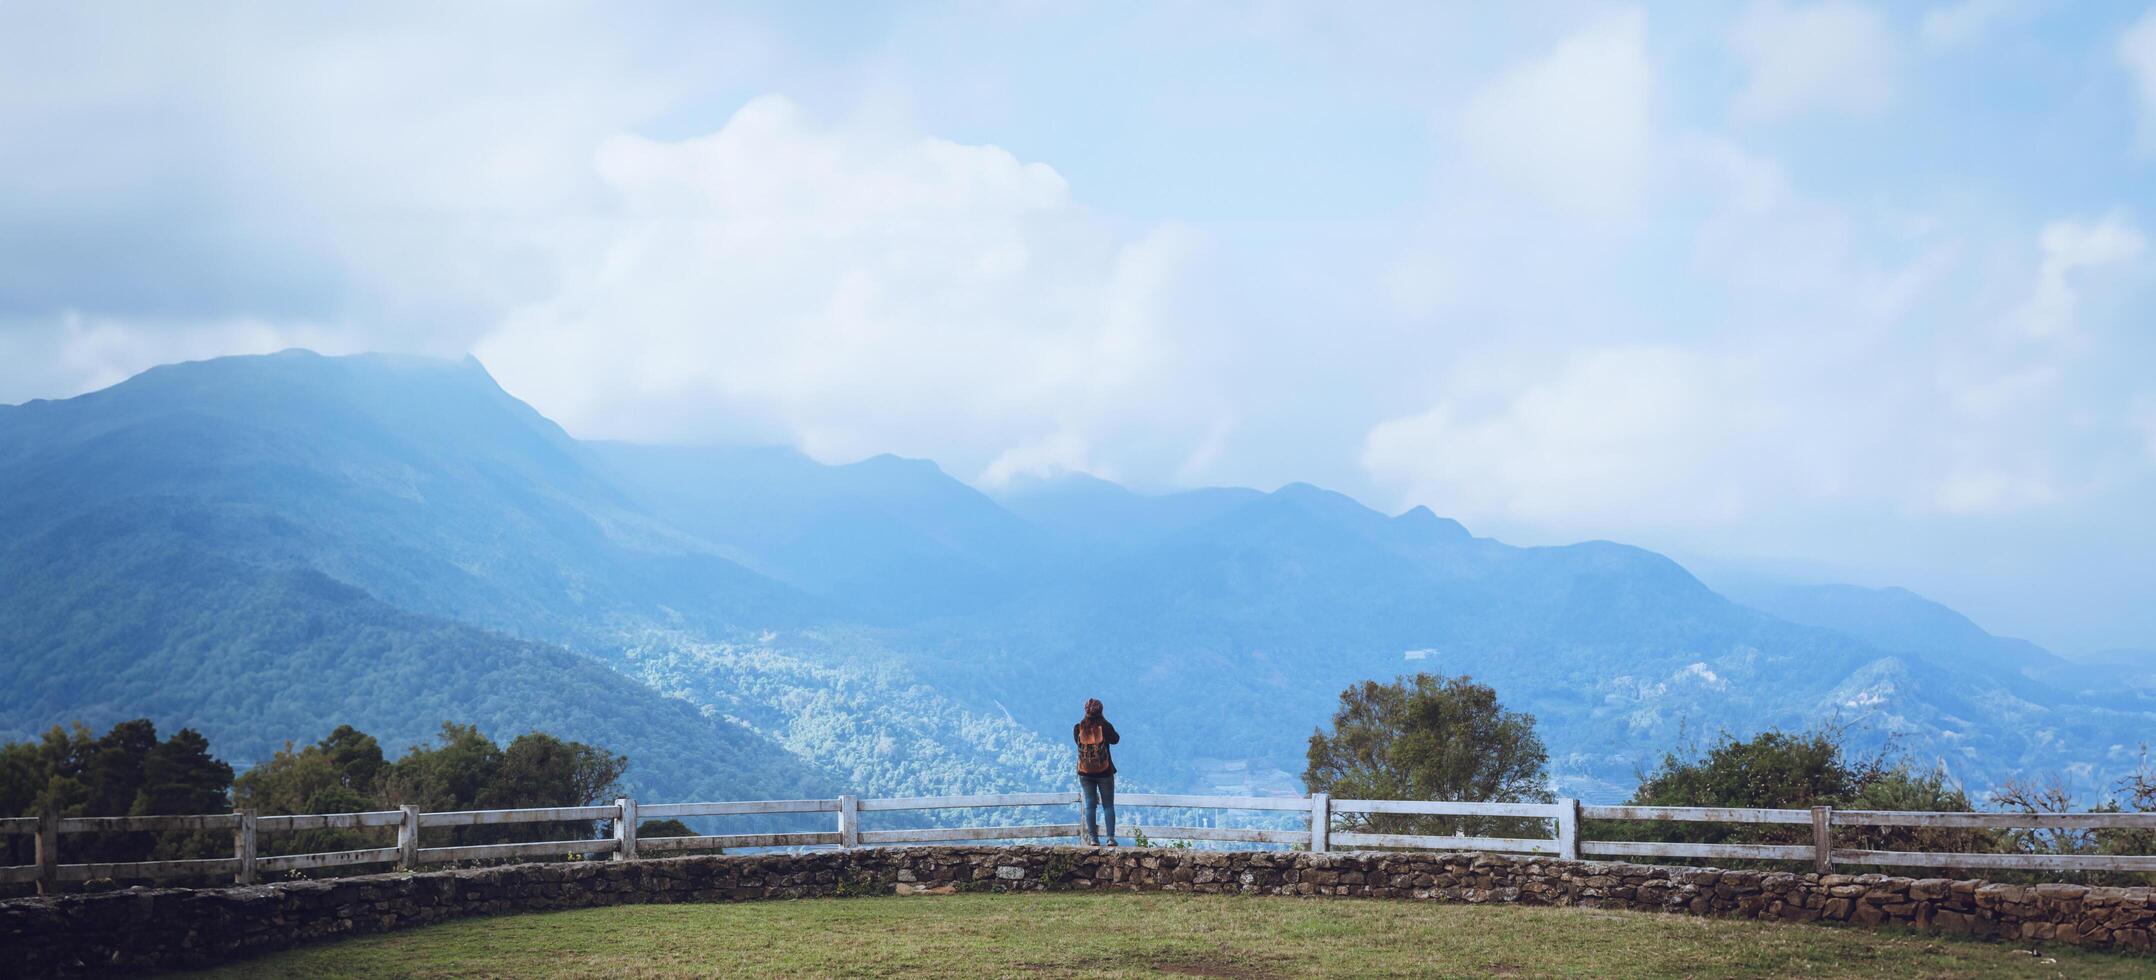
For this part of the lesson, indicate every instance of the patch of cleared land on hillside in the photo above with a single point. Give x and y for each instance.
(1154, 935)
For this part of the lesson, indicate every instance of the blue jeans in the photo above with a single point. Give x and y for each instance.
(1100, 792)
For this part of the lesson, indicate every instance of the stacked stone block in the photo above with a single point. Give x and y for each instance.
(141, 928)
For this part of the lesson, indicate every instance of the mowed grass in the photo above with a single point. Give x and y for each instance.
(1154, 935)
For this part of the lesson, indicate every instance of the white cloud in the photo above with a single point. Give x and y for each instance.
(73, 352)
(1664, 439)
(2137, 53)
(1993, 491)
(2070, 247)
(1639, 435)
(1763, 237)
(1575, 125)
(1839, 362)
(1420, 282)
(2145, 419)
(2008, 393)
(856, 289)
(1834, 56)
(1956, 24)
(402, 171)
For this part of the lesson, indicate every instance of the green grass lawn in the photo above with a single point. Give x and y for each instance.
(1152, 935)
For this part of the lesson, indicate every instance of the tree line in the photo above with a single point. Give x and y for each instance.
(1447, 738)
(129, 771)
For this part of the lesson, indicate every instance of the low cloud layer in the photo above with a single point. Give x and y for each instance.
(1832, 56)
(2137, 54)
(854, 291)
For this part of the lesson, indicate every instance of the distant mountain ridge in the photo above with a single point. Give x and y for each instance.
(401, 475)
(1896, 619)
(881, 622)
(1900, 620)
(872, 538)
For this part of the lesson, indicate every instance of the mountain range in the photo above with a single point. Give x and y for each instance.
(266, 547)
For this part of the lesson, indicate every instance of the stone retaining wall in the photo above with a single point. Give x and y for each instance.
(140, 928)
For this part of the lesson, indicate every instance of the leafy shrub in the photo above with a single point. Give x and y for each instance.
(1429, 738)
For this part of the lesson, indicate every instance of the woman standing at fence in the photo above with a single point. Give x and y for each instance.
(1096, 769)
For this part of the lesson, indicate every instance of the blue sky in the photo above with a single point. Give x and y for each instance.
(1834, 290)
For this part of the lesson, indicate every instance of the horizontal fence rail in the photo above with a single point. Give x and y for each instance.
(328, 859)
(1000, 799)
(2004, 821)
(331, 821)
(1448, 808)
(478, 818)
(1292, 803)
(541, 849)
(1317, 815)
(658, 810)
(1698, 814)
(85, 825)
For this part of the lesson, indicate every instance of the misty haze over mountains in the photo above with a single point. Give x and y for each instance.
(267, 547)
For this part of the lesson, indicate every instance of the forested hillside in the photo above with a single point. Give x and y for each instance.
(252, 657)
(839, 698)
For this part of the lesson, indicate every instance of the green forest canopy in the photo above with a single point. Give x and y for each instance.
(129, 771)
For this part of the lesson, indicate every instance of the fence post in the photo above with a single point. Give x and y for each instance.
(849, 821)
(625, 830)
(243, 847)
(48, 851)
(408, 839)
(1568, 829)
(1321, 822)
(1823, 839)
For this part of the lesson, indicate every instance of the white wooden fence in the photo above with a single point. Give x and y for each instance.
(1316, 817)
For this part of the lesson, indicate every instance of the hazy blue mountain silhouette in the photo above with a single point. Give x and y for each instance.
(418, 480)
(1220, 634)
(882, 539)
(1091, 516)
(2112, 668)
(852, 611)
(1898, 619)
(1903, 621)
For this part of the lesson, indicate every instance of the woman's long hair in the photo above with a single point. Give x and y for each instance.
(1091, 726)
